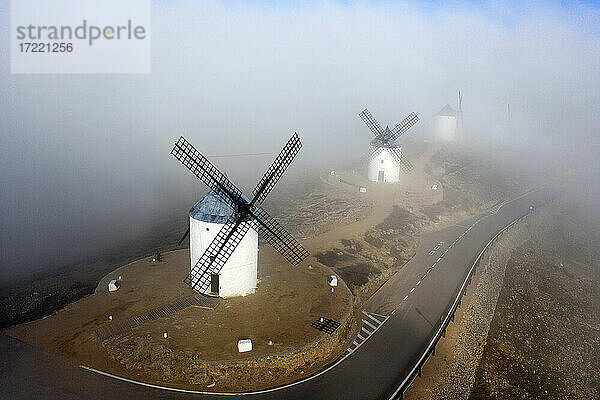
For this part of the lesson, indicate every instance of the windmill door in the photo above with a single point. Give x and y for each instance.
(214, 284)
(380, 176)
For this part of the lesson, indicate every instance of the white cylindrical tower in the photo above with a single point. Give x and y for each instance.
(238, 277)
(383, 167)
(444, 124)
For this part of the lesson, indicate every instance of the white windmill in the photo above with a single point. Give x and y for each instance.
(445, 123)
(225, 224)
(385, 156)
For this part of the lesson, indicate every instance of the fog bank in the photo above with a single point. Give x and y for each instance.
(85, 161)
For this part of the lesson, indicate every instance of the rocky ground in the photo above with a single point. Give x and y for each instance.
(311, 206)
(365, 263)
(545, 335)
(470, 182)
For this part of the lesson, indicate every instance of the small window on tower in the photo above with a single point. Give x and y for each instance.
(382, 161)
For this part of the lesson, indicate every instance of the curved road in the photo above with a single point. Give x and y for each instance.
(415, 299)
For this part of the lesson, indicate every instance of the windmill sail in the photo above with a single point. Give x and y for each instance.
(207, 172)
(387, 139)
(371, 122)
(279, 238)
(276, 170)
(245, 214)
(403, 126)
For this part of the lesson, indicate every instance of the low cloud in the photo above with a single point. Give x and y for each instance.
(85, 158)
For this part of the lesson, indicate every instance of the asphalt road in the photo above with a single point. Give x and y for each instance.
(421, 294)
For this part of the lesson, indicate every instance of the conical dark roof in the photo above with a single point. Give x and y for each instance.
(211, 208)
(383, 140)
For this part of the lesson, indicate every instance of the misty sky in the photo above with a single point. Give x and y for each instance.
(84, 159)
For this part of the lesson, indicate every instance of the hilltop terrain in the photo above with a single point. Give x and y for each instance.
(363, 237)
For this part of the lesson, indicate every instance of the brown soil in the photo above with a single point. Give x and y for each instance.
(287, 301)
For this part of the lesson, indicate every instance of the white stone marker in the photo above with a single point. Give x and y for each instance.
(113, 285)
(244, 345)
(333, 280)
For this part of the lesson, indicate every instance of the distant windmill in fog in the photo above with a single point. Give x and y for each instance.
(445, 123)
(385, 155)
(448, 122)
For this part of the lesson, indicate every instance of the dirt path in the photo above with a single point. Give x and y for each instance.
(414, 189)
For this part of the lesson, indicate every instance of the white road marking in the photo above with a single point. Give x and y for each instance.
(423, 276)
(418, 283)
(412, 290)
(405, 297)
(363, 337)
(429, 270)
(369, 324)
(438, 260)
(370, 315)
